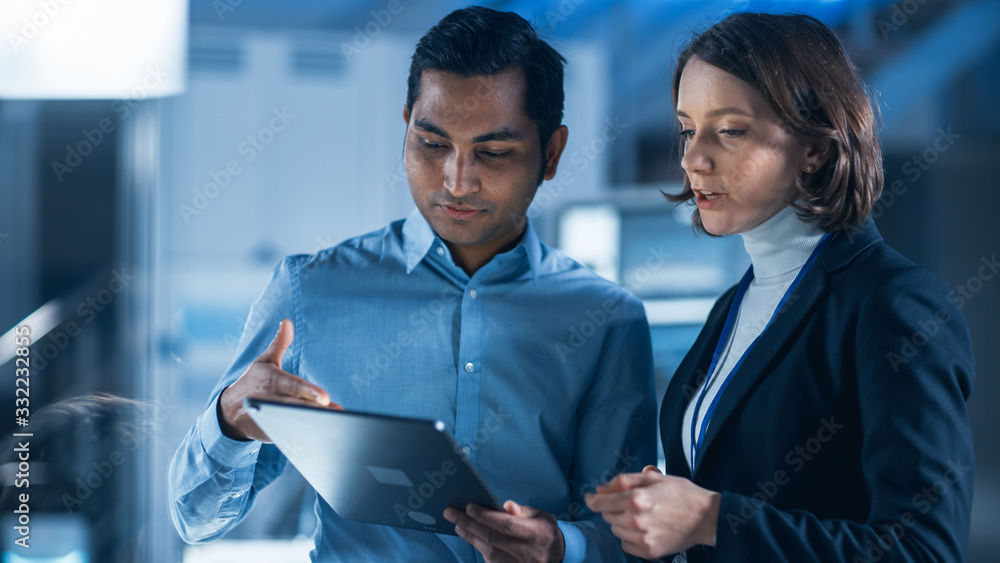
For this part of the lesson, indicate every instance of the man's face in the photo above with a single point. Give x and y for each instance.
(473, 158)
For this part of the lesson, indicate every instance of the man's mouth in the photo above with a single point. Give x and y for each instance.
(461, 212)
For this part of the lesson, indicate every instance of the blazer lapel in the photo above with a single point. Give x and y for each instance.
(766, 349)
(687, 383)
(837, 255)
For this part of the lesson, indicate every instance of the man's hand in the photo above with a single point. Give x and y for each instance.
(655, 514)
(264, 379)
(521, 533)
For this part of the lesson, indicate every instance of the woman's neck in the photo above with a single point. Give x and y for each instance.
(781, 244)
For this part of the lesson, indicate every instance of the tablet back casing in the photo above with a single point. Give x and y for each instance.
(374, 468)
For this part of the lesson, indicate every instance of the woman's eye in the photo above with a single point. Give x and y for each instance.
(686, 134)
(732, 133)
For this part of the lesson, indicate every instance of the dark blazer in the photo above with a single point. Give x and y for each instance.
(844, 435)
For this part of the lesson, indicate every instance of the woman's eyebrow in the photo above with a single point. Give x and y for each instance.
(718, 112)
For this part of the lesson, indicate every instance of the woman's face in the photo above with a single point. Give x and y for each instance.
(741, 161)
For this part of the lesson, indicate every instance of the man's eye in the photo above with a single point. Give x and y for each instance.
(427, 145)
(496, 155)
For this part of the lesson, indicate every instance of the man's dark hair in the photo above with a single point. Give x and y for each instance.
(479, 41)
(803, 71)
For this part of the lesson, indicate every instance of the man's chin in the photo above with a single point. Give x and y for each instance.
(460, 233)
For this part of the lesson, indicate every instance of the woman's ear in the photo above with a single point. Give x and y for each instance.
(816, 154)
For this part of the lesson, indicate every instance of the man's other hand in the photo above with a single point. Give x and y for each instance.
(519, 533)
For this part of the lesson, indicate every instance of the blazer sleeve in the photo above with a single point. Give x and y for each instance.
(914, 370)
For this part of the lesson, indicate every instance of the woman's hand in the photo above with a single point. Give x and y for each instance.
(655, 514)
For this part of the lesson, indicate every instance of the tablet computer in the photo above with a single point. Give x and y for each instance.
(375, 468)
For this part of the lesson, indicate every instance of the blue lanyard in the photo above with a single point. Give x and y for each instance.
(724, 338)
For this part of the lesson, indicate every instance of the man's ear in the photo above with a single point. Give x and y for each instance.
(554, 150)
(406, 114)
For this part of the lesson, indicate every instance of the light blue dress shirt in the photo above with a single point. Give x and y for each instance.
(541, 369)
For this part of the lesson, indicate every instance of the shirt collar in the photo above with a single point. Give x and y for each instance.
(419, 239)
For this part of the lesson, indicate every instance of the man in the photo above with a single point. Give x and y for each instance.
(541, 369)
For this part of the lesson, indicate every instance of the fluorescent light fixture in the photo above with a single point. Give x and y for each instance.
(103, 49)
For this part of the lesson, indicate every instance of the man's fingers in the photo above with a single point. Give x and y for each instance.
(290, 385)
(520, 510)
(505, 522)
(496, 528)
(276, 351)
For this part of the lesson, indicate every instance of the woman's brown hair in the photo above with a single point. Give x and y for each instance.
(802, 70)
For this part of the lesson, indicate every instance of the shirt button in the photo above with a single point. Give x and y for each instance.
(469, 366)
(473, 293)
(440, 251)
(466, 450)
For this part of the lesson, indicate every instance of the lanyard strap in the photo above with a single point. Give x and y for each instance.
(724, 338)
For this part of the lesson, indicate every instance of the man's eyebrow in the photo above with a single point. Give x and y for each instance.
(430, 128)
(502, 134)
(717, 112)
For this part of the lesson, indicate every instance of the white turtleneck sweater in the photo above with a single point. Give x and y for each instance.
(778, 249)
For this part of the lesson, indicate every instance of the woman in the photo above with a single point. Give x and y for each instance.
(821, 413)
